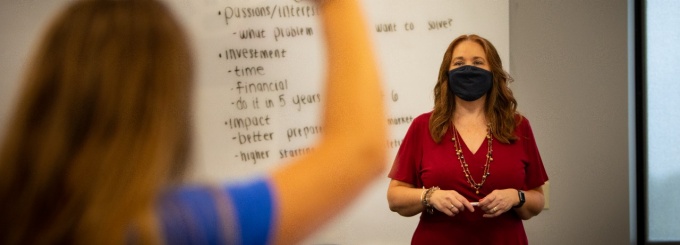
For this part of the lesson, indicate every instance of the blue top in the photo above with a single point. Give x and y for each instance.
(233, 214)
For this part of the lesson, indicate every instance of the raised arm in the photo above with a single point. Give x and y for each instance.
(351, 152)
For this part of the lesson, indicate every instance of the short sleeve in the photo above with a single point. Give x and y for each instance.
(189, 215)
(254, 207)
(234, 214)
(536, 175)
(406, 164)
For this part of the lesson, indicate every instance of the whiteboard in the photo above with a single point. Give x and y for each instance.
(260, 72)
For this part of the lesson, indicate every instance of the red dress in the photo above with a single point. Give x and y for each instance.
(422, 162)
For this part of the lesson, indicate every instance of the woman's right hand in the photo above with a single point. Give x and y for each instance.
(450, 202)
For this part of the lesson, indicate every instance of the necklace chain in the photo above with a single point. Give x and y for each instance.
(466, 170)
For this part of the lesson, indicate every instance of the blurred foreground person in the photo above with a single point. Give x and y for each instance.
(100, 138)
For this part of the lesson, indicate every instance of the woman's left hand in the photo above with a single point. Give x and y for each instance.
(498, 202)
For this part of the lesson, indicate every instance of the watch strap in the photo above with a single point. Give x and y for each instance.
(522, 199)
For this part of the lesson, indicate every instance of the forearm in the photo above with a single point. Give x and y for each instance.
(533, 205)
(355, 106)
(351, 151)
(406, 201)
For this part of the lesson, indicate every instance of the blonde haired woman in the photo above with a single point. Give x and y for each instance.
(98, 144)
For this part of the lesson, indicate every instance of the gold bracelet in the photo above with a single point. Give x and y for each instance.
(428, 194)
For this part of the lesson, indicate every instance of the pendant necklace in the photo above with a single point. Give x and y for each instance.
(459, 152)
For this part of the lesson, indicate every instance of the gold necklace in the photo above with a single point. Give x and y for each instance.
(463, 163)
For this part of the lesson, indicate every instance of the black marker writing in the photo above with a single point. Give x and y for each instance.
(253, 137)
(400, 120)
(247, 122)
(246, 12)
(394, 143)
(389, 27)
(251, 34)
(439, 24)
(302, 132)
(306, 99)
(253, 156)
(257, 87)
(248, 71)
(249, 53)
(284, 153)
(280, 32)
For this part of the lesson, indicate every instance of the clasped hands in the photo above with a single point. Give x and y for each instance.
(496, 203)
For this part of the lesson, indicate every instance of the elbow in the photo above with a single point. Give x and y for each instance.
(406, 214)
(528, 213)
(534, 205)
(375, 152)
(380, 155)
(375, 162)
(394, 209)
(390, 202)
(366, 155)
(401, 210)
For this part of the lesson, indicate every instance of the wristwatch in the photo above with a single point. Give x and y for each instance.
(521, 199)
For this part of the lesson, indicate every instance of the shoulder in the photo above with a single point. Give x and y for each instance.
(423, 118)
(421, 123)
(523, 127)
(419, 128)
(521, 120)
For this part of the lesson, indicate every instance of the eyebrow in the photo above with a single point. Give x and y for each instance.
(474, 58)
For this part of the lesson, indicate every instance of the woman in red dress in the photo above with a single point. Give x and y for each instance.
(471, 166)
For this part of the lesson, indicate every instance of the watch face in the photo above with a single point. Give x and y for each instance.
(521, 198)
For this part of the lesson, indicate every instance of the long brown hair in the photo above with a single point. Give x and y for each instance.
(101, 126)
(500, 106)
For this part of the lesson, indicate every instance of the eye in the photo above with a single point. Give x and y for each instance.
(458, 63)
(478, 62)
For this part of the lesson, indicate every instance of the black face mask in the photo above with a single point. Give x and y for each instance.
(470, 82)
